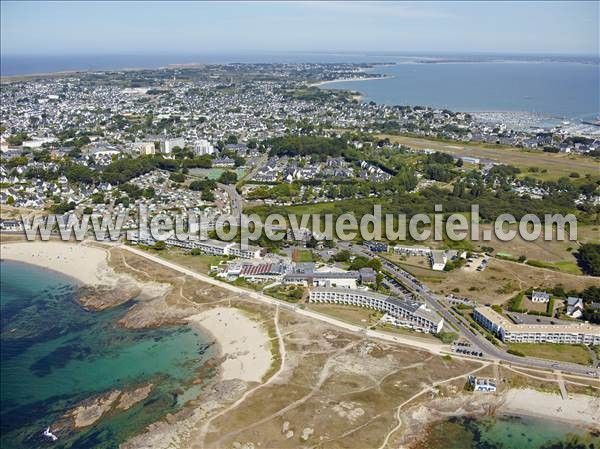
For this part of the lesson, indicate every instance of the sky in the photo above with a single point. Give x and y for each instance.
(62, 28)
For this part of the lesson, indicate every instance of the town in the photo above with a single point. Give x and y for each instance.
(225, 140)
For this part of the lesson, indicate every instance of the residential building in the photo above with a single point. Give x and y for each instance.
(510, 332)
(145, 148)
(225, 162)
(399, 312)
(539, 296)
(167, 145)
(485, 385)
(412, 250)
(203, 147)
(574, 307)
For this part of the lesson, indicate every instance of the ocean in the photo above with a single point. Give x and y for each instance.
(507, 432)
(55, 354)
(538, 93)
(519, 90)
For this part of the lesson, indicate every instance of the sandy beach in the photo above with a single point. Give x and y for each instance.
(577, 409)
(340, 80)
(86, 264)
(242, 341)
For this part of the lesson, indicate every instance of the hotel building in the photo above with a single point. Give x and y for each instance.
(576, 333)
(400, 312)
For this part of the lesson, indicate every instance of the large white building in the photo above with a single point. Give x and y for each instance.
(203, 147)
(145, 148)
(400, 312)
(208, 246)
(576, 333)
(438, 260)
(167, 145)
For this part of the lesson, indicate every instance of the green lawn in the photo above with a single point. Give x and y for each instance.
(304, 255)
(288, 293)
(199, 262)
(560, 352)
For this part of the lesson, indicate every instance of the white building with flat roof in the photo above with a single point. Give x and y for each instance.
(576, 333)
(145, 148)
(203, 146)
(485, 385)
(400, 312)
(167, 145)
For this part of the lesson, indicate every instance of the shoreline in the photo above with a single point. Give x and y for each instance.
(85, 264)
(341, 80)
(242, 342)
(580, 411)
(577, 409)
(245, 355)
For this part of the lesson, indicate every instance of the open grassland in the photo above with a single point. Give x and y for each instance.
(200, 262)
(556, 164)
(496, 284)
(350, 314)
(560, 352)
(337, 390)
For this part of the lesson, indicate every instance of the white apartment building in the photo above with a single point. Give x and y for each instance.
(203, 146)
(145, 148)
(208, 246)
(412, 250)
(400, 312)
(576, 333)
(167, 145)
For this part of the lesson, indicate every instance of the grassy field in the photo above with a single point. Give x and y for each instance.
(303, 255)
(200, 263)
(560, 352)
(288, 293)
(354, 315)
(556, 164)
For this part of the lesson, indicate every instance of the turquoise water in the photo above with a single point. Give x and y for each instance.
(507, 432)
(55, 354)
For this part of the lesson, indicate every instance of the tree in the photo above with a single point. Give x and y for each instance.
(588, 258)
(17, 139)
(177, 177)
(160, 245)
(232, 139)
(228, 177)
(207, 195)
(342, 256)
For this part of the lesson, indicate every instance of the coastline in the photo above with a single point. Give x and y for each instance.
(579, 411)
(86, 264)
(341, 80)
(246, 354)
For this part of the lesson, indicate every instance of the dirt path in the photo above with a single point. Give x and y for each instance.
(204, 429)
(416, 395)
(323, 376)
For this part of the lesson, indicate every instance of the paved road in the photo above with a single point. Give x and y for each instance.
(434, 347)
(478, 341)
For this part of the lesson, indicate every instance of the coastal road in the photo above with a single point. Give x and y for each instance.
(434, 347)
(478, 341)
